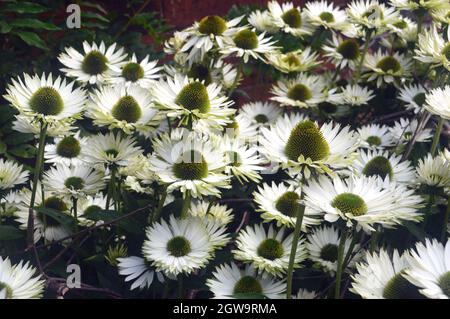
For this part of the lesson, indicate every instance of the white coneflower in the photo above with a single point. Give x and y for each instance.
(403, 130)
(420, 4)
(433, 172)
(342, 52)
(280, 203)
(414, 97)
(324, 14)
(217, 213)
(375, 136)
(29, 124)
(230, 282)
(260, 113)
(128, 108)
(433, 48)
(290, 19)
(263, 21)
(138, 270)
(91, 66)
(294, 61)
(144, 73)
(354, 95)
(46, 99)
(303, 91)
(11, 174)
(68, 150)
(437, 101)
(372, 15)
(430, 268)
(384, 67)
(19, 281)
(267, 251)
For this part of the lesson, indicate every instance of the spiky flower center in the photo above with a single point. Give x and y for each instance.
(212, 25)
(68, 147)
(291, 59)
(47, 101)
(201, 73)
(94, 63)
(349, 203)
(246, 39)
(327, 17)
(132, 71)
(349, 49)
(261, 118)
(378, 166)
(178, 246)
(191, 166)
(398, 287)
(247, 284)
(306, 139)
(288, 204)
(8, 290)
(52, 203)
(329, 252)
(299, 92)
(127, 109)
(235, 158)
(74, 182)
(292, 18)
(270, 249)
(194, 96)
(444, 283)
(374, 140)
(389, 64)
(446, 51)
(419, 98)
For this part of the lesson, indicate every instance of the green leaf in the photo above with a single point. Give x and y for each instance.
(5, 27)
(32, 38)
(18, 138)
(92, 15)
(417, 232)
(2, 147)
(10, 233)
(23, 151)
(62, 218)
(25, 7)
(34, 23)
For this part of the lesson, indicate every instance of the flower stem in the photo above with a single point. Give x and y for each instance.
(437, 134)
(75, 211)
(162, 199)
(445, 223)
(297, 230)
(111, 187)
(37, 175)
(361, 60)
(186, 204)
(340, 265)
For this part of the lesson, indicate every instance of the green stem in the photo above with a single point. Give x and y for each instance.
(437, 134)
(361, 60)
(162, 199)
(186, 204)
(428, 211)
(111, 187)
(75, 212)
(350, 248)
(297, 230)
(340, 265)
(445, 223)
(37, 175)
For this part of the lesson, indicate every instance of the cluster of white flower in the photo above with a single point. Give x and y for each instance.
(325, 181)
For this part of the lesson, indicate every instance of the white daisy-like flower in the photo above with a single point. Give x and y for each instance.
(372, 15)
(29, 124)
(242, 128)
(230, 282)
(93, 65)
(261, 113)
(433, 49)
(433, 172)
(92, 204)
(46, 99)
(126, 108)
(424, 4)
(322, 245)
(290, 19)
(189, 164)
(69, 150)
(11, 174)
(294, 61)
(180, 246)
(111, 149)
(324, 14)
(437, 102)
(406, 31)
(385, 67)
(19, 281)
(138, 270)
(208, 34)
(440, 15)
(248, 44)
(306, 294)
(44, 225)
(280, 203)
(143, 73)
(243, 160)
(300, 145)
(354, 95)
(192, 101)
(302, 91)
(381, 276)
(403, 130)
(217, 213)
(77, 181)
(342, 52)
(430, 268)
(358, 200)
(414, 97)
(375, 136)
(383, 164)
(263, 21)
(268, 251)
(9, 203)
